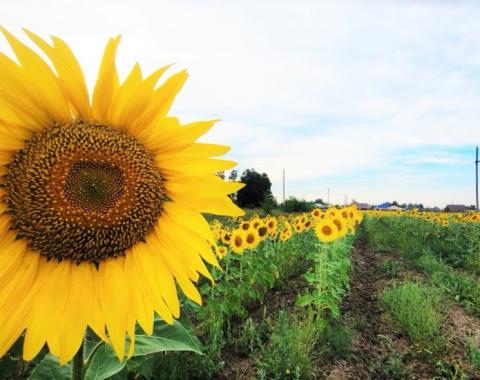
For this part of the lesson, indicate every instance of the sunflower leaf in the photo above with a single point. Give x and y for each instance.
(166, 337)
(49, 369)
(104, 364)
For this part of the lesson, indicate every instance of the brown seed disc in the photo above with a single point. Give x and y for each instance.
(83, 192)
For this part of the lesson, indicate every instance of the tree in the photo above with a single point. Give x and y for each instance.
(257, 189)
(233, 175)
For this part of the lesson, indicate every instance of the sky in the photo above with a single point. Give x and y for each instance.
(367, 100)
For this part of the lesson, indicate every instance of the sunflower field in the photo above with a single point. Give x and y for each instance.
(123, 255)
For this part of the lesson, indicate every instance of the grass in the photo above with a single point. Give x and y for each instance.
(336, 341)
(415, 308)
(289, 352)
(462, 287)
(388, 268)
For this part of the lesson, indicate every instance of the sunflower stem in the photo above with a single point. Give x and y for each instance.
(77, 364)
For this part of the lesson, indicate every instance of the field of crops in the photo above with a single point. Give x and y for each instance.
(326, 294)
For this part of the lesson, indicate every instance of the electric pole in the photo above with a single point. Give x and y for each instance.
(283, 186)
(476, 177)
(328, 196)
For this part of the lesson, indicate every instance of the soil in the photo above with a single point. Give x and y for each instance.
(377, 343)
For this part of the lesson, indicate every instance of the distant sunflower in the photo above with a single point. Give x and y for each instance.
(262, 230)
(341, 225)
(238, 243)
(251, 238)
(326, 230)
(100, 202)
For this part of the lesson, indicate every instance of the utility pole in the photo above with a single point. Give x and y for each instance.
(328, 196)
(283, 186)
(476, 177)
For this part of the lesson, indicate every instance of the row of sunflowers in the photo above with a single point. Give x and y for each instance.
(241, 234)
(442, 218)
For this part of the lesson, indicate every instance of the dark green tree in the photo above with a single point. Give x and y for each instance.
(233, 175)
(257, 189)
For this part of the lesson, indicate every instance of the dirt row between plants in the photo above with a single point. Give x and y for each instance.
(378, 351)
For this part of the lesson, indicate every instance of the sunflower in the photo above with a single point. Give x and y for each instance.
(238, 241)
(316, 213)
(251, 238)
(262, 231)
(341, 225)
(326, 230)
(100, 201)
(226, 237)
(245, 225)
(272, 225)
(222, 252)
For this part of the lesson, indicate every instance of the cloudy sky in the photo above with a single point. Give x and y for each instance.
(374, 100)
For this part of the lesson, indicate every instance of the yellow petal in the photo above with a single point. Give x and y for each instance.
(162, 99)
(70, 74)
(115, 301)
(45, 89)
(107, 82)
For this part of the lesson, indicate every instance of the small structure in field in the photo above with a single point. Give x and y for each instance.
(456, 208)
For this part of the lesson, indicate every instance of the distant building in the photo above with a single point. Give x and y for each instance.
(362, 206)
(383, 206)
(456, 208)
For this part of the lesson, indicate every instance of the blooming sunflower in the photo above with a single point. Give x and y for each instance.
(98, 218)
(326, 230)
(238, 241)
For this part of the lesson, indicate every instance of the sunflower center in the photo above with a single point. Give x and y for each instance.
(94, 185)
(327, 230)
(83, 192)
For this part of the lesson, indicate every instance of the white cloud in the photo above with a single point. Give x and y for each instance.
(314, 87)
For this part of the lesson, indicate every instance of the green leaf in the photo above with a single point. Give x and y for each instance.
(104, 364)
(49, 369)
(304, 300)
(166, 338)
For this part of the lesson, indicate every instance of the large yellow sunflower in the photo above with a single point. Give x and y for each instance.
(100, 200)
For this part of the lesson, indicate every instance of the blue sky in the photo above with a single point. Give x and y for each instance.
(376, 100)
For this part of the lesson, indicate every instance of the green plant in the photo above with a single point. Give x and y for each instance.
(336, 341)
(288, 354)
(388, 268)
(462, 287)
(393, 367)
(329, 276)
(415, 308)
(293, 204)
(447, 371)
(473, 356)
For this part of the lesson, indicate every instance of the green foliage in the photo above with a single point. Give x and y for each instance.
(388, 268)
(49, 368)
(415, 308)
(257, 189)
(444, 370)
(393, 367)
(473, 356)
(224, 321)
(328, 277)
(288, 355)
(462, 287)
(102, 363)
(293, 204)
(336, 341)
(457, 245)
(268, 205)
